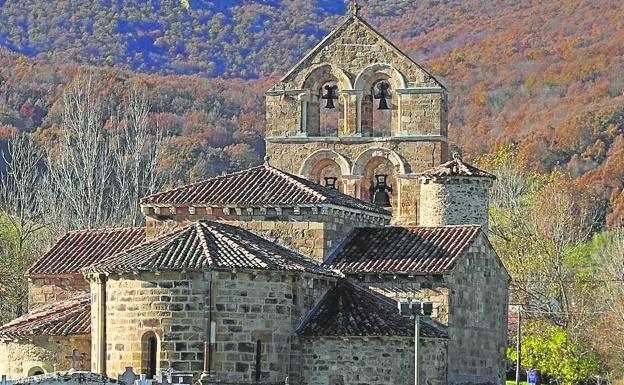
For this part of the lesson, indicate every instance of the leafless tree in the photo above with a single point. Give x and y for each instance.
(136, 155)
(22, 224)
(81, 171)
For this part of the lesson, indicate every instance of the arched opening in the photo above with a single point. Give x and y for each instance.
(323, 105)
(380, 101)
(383, 108)
(374, 171)
(330, 109)
(327, 172)
(35, 371)
(149, 354)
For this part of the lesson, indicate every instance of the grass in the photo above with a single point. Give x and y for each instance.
(514, 383)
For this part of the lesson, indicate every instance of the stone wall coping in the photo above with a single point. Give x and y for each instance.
(237, 210)
(421, 90)
(297, 274)
(455, 179)
(356, 139)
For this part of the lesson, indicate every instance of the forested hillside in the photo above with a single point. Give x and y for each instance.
(548, 76)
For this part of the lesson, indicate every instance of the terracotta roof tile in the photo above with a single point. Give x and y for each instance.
(261, 185)
(456, 167)
(62, 318)
(350, 310)
(209, 245)
(78, 249)
(402, 249)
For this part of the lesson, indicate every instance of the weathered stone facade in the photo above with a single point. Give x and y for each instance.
(312, 231)
(372, 361)
(472, 300)
(478, 316)
(247, 307)
(44, 289)
(352, 57)
(26, 357)
(455, 201)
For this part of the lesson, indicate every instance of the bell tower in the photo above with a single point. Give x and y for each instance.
(360, 113)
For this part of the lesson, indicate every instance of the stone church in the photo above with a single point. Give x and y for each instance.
(294, 271)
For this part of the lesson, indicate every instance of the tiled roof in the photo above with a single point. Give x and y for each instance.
(261, 185)
(350, 310)
(209, 245)
(79, 249)
(402, 249)
(62, 318)
(456, 167)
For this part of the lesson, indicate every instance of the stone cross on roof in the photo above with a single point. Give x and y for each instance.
(355, 8)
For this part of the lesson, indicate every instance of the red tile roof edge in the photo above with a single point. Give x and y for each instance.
(62, 318)
(55, 262)
(331, 258)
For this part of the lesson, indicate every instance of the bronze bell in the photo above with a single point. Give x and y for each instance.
(381, 190)
(331, 94)
(382, 95)
(330, 182)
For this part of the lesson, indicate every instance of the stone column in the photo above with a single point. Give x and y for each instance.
(352, 120)
(98, 324)
(350, 184)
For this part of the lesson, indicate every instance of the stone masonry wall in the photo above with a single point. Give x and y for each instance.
(247, 307)
(455, 201)
(372, 361)
(18, 358)
(310, 233)
(169, 305)
(264, 308)
(46, 289)
(478, 317)
(423, 288)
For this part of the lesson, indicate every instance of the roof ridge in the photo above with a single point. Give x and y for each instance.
(292, 178)
(103, 229)
(203, 241)
(201, 182)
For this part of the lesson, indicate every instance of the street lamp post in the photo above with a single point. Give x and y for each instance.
(416, 310)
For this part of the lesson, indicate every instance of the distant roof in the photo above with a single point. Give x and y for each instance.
(403, 249)
(78, 249)
(62, 318)
(456, 167)
(351, 310)
(261, 185)
(209, 245)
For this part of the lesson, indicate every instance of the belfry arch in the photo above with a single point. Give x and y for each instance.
(323, 107)
(380, 102)
(361, 161)
(325, 163)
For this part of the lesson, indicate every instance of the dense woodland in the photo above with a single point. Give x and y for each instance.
(537, 97)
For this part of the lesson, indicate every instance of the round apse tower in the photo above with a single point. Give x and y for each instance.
(455, 193)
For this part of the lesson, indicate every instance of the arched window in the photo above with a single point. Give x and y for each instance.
(149, 354)
(35, 371)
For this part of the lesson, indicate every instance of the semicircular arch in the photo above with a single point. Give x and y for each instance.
(322, 73)
(321, 155)
(362, 160)
(371, 73)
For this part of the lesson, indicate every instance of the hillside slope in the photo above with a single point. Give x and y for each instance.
(548, 76)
